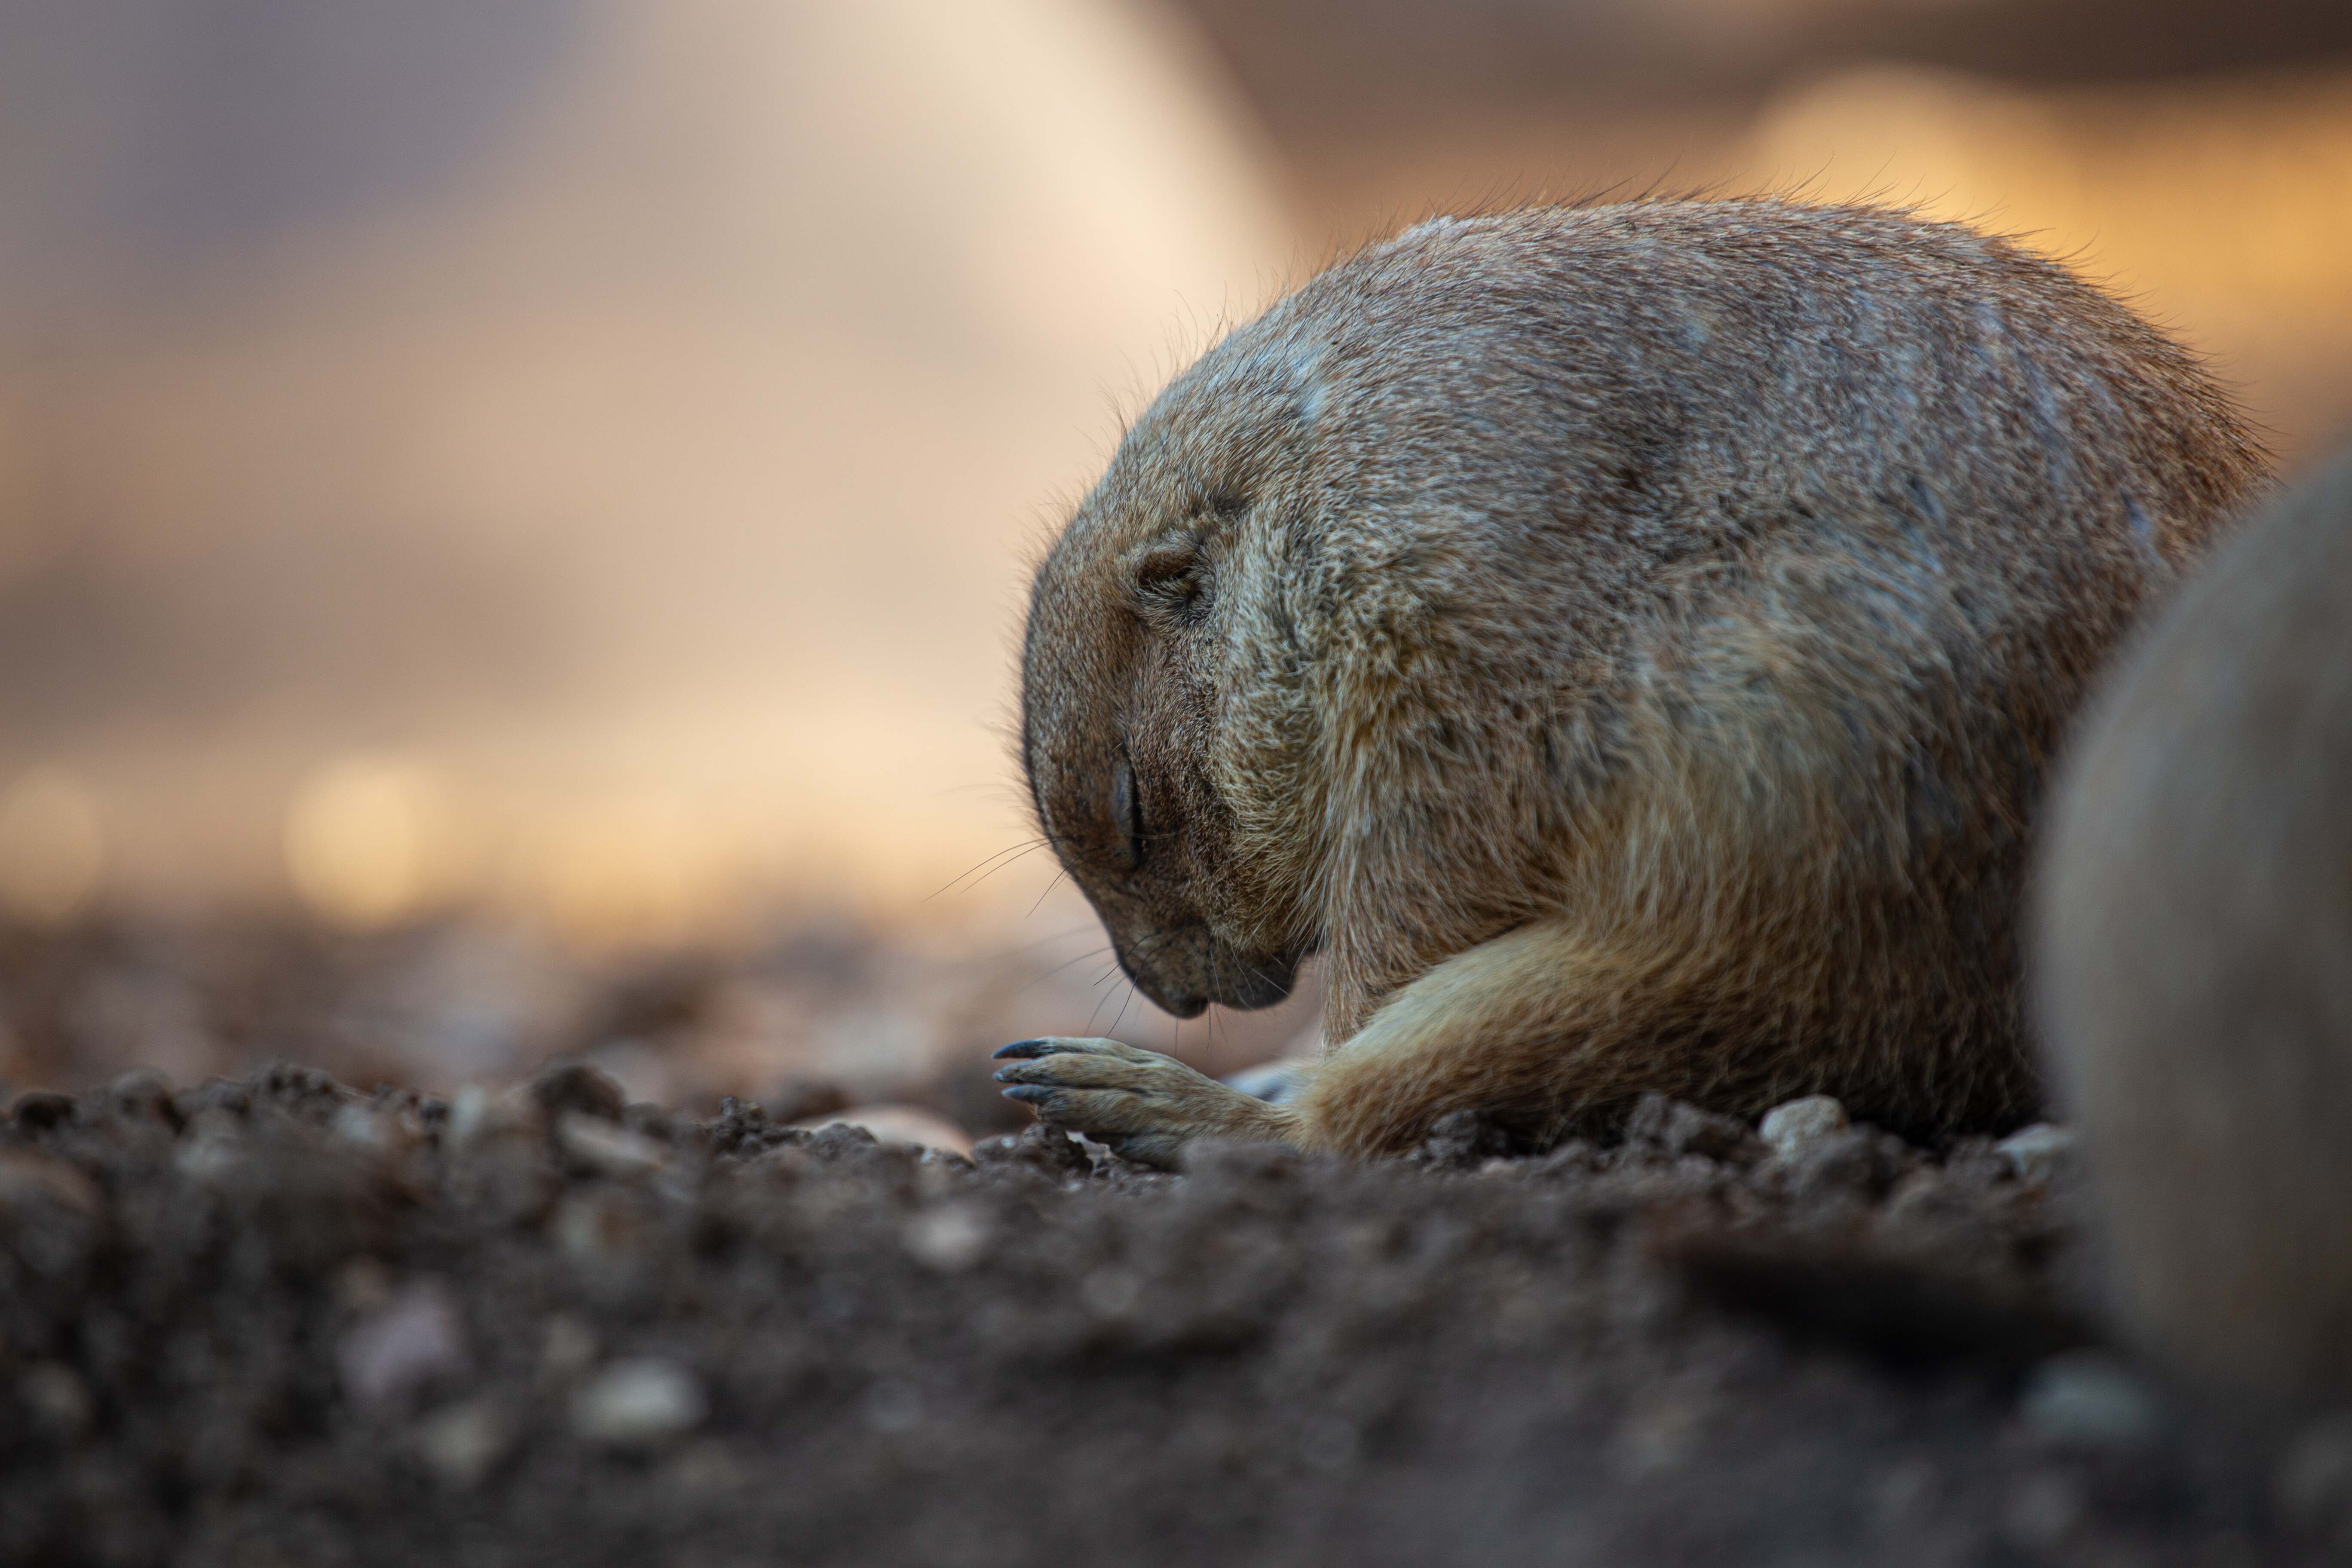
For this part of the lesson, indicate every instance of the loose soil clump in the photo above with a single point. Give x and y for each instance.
(279, 1320)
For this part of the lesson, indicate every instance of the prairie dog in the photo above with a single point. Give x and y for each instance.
(1626, 642)
(2193, 962)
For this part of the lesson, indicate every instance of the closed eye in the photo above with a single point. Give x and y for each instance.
(1127, 816)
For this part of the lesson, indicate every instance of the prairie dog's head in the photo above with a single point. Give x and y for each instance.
(1127, 686)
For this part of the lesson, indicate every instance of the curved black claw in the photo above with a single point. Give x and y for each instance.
(1035, 1093)
(1022, 1048)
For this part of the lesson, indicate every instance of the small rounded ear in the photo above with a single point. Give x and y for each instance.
(1171, 579)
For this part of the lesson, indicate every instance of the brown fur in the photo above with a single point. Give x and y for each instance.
(2193, 949)
(1626, 642)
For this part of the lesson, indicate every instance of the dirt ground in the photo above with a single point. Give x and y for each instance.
(816, 1009)
(276, 1320)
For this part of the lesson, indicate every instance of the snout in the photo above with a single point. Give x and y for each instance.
(1184, 969)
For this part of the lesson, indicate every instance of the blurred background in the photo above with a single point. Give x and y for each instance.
(514, 513)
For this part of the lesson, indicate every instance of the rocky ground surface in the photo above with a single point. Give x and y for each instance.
(814, 1013)
(276, 1320)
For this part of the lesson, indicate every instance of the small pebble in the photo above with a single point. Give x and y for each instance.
(1789, 1129)
(469, 1111)
(483, 1117)
(949, 1238)
(462, 1444)
(2035, 1154)
(143, 1093)
(608, 1147)
(358, 1125)
(414, 1338)
(2091, 1399)
(638, 1404)
(211, 1146)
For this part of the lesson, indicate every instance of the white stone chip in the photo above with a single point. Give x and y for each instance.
(1789, 1129)
(2037, 1152)
(470, 1109)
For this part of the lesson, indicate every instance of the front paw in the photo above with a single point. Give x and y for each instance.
(1143, 1105)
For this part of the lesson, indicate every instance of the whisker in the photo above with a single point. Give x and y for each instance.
(1058, 969)
(1145, 945)
(1000, 865)
(1213, 992)
(1062, 935)
(1016, 850)
(1097, 1011)
(1059, 877)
